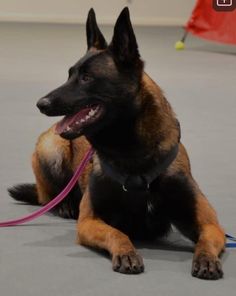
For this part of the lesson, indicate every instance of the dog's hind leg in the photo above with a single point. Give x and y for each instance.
(52, 167)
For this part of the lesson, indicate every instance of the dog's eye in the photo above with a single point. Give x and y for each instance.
(85, 78)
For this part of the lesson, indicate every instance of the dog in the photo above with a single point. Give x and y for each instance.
(139, 182)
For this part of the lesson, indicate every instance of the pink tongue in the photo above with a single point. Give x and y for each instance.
(70, 120)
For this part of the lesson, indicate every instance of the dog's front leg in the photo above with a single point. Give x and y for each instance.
(94, 232)
(193, 215)
(210, 244)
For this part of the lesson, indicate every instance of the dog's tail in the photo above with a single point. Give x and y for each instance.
(25, 192)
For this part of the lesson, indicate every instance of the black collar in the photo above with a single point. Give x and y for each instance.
(141, 182)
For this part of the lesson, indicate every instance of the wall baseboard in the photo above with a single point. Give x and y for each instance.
(56, 19)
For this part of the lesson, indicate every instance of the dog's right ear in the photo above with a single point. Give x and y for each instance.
(94, 36)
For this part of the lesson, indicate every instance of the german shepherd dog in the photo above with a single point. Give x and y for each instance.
(139, 182)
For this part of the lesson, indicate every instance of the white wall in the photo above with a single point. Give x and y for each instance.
(145, 12)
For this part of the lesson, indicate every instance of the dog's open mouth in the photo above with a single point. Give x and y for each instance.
(72, 125)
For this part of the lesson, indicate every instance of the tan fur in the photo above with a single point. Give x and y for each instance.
(53, 149)
(212, 238)
(43, 187)
(94, 232)
(158, 124)
(181, 163)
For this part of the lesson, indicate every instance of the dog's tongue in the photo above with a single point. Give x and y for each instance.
(71, 121)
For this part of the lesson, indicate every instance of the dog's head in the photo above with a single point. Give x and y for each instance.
(102, 85)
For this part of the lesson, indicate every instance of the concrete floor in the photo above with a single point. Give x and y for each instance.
(42, 258)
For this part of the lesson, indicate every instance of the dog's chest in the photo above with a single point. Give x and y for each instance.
(136, 213)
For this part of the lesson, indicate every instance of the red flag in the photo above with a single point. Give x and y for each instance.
(214, 20)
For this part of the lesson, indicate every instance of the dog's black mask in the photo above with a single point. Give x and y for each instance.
(102, 85)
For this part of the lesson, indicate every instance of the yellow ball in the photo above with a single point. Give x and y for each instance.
(179, 45)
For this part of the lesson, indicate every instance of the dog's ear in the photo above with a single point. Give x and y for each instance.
(124, 45)
(94, 36)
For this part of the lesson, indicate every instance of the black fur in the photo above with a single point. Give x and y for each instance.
(127, 211)
(124, 45)
(147, 215)
(110, 81)
(180, 200)
(94, 35)
(25, 193)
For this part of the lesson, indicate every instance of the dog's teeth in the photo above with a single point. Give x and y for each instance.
(92, 112)
(68, 128)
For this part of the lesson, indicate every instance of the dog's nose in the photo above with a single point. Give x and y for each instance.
(44, 104)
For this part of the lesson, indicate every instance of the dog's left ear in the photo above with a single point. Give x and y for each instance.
(94, 36)
(124, 45)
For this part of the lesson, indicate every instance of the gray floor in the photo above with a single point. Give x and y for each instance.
(42, 258)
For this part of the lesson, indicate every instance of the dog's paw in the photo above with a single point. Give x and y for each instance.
(130, 263)
(207, 267)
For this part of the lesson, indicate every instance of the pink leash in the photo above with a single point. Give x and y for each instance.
(57, 199)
